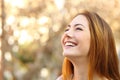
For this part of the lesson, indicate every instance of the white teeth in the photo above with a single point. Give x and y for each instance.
(69, 44)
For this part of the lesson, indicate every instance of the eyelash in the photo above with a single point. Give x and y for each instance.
(66, 30)
(79, 29)
(75, 29)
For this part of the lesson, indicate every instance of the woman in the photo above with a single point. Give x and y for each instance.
(89, 49)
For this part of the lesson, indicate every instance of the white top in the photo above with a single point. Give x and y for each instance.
(59, 78)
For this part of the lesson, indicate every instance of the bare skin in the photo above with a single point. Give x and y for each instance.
(76, 43)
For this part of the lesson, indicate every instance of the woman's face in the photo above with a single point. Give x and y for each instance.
(76, 38)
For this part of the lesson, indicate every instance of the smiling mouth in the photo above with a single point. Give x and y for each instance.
(71, 44)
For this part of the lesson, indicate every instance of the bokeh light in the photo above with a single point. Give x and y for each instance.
(44, 72)
(15, 48)
(16, 3)
(8, 75)
(32, 32)
(59, 4)
(24, 22)
(42, 20)
(11, 40)
(10, 20)
(24, 37)
(8, 56)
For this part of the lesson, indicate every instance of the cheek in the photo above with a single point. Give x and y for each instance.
(84, 41)
(62, 39)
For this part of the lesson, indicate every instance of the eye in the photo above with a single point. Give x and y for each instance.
(78, 28)
(66, 29)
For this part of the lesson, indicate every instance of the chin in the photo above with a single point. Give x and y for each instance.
(73, 55)
(66, 54)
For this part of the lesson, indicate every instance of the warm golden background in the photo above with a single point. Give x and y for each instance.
(30, 33)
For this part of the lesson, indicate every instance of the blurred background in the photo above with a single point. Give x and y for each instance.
(31, 30)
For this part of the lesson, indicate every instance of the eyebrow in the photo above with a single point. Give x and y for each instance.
(76, 25)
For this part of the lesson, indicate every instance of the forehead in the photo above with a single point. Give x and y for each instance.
(80, 19)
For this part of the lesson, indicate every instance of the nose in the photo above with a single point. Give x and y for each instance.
(69, 33)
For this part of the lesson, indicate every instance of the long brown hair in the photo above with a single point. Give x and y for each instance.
(102, 55)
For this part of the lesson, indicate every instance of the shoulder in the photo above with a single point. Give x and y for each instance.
(59, 78)
(105, 79)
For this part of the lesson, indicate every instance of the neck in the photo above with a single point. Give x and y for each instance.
(80, 68)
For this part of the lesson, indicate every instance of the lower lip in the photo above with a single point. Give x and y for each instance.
(69, 47)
